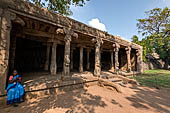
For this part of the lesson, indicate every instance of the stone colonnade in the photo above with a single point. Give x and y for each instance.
(5, 25)
(68, 57)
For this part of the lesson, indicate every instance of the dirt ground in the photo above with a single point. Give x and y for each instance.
(95, 99)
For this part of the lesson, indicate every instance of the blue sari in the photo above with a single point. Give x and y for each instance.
(15, 91)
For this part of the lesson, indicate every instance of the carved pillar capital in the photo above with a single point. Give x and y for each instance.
(116, 47)
(138, 52)
(128, 48)
(98, 41)
(68, 31)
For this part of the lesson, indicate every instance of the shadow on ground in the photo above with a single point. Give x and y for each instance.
(75, 99)
(71, 101)
(147, 98)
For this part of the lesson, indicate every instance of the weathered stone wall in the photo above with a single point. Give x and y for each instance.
(5, 28)
(1, 54)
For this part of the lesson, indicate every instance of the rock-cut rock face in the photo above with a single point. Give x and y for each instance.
(153, 62)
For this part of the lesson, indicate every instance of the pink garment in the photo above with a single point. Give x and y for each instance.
(11, 77)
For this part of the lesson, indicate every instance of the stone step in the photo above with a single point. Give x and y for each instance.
(115, 80)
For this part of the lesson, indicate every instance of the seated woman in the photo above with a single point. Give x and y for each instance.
(15, 91)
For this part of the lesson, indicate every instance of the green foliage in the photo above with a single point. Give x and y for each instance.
(156, 29)
(144, 43)
(59, 6)
(135, 39)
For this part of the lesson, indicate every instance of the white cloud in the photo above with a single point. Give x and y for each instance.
(97, 24)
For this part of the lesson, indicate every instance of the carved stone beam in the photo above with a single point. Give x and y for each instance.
(19, 21)
(67, 31)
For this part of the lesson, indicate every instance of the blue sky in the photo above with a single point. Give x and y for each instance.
(117, 17)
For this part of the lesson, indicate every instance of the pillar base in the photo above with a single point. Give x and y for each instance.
(3, 101)
(64, 78)
(53, 73)
(112, 69)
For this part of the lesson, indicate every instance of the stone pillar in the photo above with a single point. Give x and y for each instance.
(88, 59)
(68, 35)
(67, 40)
(5, 28)
(112, 64)
(128, 51)
(12, 53)
(139, 53)
(97, 70)
(53, 67)
(81, 60)
(116, 49)
(47, 57)
(72, 50)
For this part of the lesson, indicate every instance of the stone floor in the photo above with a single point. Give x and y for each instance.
(42, 83)
(88, 98)
(95, 99)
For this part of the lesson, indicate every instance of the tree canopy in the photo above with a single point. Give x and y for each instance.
(59, 6)
(156, 29)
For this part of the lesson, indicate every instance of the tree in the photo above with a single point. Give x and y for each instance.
(135, 39)
(156, 28)
(59, 6)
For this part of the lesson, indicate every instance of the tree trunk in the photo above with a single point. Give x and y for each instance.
(166, 63)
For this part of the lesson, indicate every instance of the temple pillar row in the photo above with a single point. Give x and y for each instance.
(68, 37)
(72, 63)
(88, 59)
(128, 53)
(53, 67)
(47, 58)
(112, 63)
(139, 54)
(97, 70)
(116, 50)
(81, 60)
(66, 67)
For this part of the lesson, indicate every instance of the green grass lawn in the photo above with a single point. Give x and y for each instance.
(154, 78)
